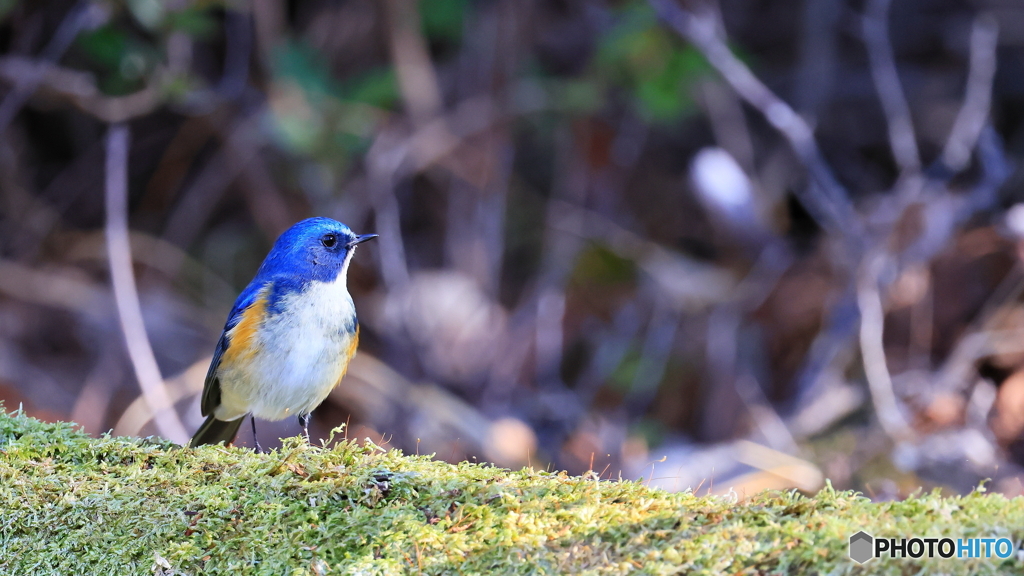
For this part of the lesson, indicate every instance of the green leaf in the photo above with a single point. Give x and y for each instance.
(580, 96)
(5, 7)
(104, 46)
(377, 87)
(599, 265)
(651, 430)
(622, 378)
(303, 65)
(640, 55)
(442, 19)
(195, 22)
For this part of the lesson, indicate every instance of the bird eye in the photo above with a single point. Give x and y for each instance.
(329, 240)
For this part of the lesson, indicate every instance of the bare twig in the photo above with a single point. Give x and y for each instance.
(383, 165)
(995, 169)
(977, 340)
(126, 293)
(187, 384)
(82, 15)
(802, 473)
(395, 155)
(79, 88)
(563, 231)
(890, 91)
(974, 113)
(269, 17)
(238, 47)
(242, 142)
(58, 288)
(417, 78)
(474, 236)
(817, 70)
(725, 114)
(876, 370)
(827, 201)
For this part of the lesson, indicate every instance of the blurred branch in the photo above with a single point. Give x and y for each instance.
(155, 254)
(383, 162)
(817, 70)
(476, 247)
(689, 284)
(196, 203)
(266, 204)
(725, 114)
(238, 42)
(827, 201)
(389, 400)
(139, 413)
(561, 245)
(413, 66)
(728, 361)
(872, 321)
(978, 96)
(79, 88)
(59, 288)
(237, 158)
(395, 155)
(995, 169)
(890, 91)
(93, 399)
(803, 474)
(269, 19)
(82, 15)
(29, 75)
(980, 337)
(35, 217)
(126, 293)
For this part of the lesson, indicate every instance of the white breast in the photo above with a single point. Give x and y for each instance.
(303, 350)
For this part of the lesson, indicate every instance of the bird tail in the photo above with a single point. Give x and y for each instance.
(214, 431)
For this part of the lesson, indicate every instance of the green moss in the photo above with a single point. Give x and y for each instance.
(71, 504)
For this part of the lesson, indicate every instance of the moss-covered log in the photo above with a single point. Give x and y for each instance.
(72, 504)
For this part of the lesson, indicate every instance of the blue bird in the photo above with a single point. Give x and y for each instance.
(289, 337)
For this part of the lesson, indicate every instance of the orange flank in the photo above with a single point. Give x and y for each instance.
(349, 354)
(241, 338)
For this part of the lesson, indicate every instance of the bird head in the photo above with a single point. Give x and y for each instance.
(313, 249)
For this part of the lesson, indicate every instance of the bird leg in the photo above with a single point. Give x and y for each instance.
(304, 420)
(252, 420)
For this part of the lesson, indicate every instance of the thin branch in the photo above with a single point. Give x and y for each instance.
(890, 91)
(414, 69)
(59, 288)
(876, 370)
(384, 166)
(238, 42)
(395, 155)
(978, 337)
(79, 88)
(81, 16)
(978, 98)
(826, 200)
(238, 157)
(126, 293)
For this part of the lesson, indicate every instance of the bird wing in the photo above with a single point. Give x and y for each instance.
(251, 299)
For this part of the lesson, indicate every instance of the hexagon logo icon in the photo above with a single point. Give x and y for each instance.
(861, 547)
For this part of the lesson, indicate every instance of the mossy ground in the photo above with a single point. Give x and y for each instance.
(72, 504)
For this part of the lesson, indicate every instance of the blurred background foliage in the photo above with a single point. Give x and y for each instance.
(604, 243)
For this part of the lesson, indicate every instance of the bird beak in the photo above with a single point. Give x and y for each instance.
(360, 239)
